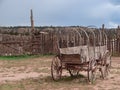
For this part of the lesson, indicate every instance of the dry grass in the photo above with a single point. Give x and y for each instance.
(34, 74)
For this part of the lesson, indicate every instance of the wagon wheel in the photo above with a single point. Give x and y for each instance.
(105, 68)
(73, 72)
(92, 71)
(108, 63)
(56, 68)
(103, 71)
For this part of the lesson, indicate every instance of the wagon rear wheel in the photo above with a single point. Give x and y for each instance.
(92, 71)
(105, 68)
(103, 71)
(108, 63)
(56, 68)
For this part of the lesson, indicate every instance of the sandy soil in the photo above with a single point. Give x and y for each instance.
(16, 71)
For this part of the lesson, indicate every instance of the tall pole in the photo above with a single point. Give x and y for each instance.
(32, 21)
(118, 30)
(103, 27)
(32, 30)
(118, 39)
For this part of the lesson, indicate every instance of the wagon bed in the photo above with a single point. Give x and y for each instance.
(79, 51)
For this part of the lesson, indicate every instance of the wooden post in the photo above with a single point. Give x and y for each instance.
(32, 30)
(103, 26)
(32, 21)
(118, 39)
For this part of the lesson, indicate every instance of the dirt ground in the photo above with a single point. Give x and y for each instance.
(35, 74)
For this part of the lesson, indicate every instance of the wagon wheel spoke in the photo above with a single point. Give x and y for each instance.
(56, 68)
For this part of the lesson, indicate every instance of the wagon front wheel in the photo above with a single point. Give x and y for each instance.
(56, 68)
(92, 76)
(108, 63)
(92, 72)
(105, 68)
(103, 72)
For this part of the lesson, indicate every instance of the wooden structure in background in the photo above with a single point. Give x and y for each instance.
(43, 41)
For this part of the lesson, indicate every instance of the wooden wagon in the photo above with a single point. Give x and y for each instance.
(81, 50)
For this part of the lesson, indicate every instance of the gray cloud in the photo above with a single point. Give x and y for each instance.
(1, 1)
(115, 2)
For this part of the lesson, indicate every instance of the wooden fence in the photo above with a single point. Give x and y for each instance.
(114, 41)
(44, 42)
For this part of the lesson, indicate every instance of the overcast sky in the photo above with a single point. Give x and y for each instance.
(60, 12)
